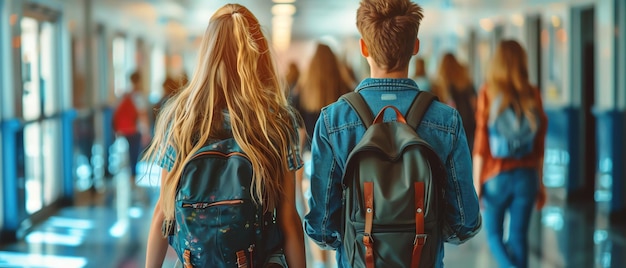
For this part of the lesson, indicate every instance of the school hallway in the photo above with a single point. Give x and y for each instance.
(66, 194)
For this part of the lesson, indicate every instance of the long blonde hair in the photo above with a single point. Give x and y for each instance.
(452, 75)
(235, 84)
(322, 83)
(508, 76)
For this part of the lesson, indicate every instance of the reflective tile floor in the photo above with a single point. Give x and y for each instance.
(108, 228)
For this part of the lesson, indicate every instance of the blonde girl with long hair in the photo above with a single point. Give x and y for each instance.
(511, 185)
(234, 92)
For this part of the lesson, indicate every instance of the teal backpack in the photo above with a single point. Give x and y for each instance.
(217, 222)
(393, 185)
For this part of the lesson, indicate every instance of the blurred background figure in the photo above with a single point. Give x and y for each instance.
(420, 76)
(131, 120)
(509, 183)
(454, 87)
(291, 77)
(170, 87)
(322, 83)
(293, 73)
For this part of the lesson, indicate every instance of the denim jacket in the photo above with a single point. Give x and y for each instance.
(339, 129)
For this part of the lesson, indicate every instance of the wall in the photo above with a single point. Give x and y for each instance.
(610, 109)
(8, 124)
(4, 16)
(6, 55)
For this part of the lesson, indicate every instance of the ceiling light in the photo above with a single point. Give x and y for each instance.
(556, 22)
(283, 9)
(282, 21)
(284, 1)
(518, 20)
(487, 24)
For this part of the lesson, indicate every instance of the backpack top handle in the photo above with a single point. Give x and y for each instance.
(381, 114)
(416, 111)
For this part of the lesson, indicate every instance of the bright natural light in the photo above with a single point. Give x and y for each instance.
(14, 259)
(50, 238)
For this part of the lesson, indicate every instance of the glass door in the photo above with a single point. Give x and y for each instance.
(40, 106)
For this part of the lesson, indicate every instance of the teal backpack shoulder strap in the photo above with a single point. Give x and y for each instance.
(419, 107)
(359, 105)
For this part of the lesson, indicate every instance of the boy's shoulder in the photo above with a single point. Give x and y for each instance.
(438, 115)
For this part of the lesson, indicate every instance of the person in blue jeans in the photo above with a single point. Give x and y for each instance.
(389, 39)
(509, 184)
(514, 191)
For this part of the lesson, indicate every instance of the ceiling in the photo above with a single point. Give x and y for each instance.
(312, 19)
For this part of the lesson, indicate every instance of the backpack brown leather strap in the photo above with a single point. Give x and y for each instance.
(419, 107)
(242, 259)
(368, 241)
(420, 236)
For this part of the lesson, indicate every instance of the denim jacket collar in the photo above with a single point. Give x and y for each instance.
(387, 84)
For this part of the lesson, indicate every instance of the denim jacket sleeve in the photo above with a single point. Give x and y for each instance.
(323, 222)
(462, 215)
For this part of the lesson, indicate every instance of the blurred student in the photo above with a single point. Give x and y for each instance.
(389, 31)
(420, 76)
(235, 92)
(170, 86)
(321, 84)
(509, 179)
(455, 87)
(131, 120)
(291, 77)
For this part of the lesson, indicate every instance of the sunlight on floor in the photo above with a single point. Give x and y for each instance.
(13, 259)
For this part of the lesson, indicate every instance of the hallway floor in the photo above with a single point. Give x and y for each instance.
(108, 228)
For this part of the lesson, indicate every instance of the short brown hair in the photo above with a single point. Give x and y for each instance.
(389, 29)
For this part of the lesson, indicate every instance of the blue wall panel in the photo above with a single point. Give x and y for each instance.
(561, 167)
(68, 153)
(12, 157)
(610, 146)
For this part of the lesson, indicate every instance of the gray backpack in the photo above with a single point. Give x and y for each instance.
(510, 135)
(393, 187)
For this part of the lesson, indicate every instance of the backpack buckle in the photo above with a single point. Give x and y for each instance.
(420, 238)
(368, 239)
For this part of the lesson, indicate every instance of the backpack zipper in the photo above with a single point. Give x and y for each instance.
(203, 205)
(219, 154)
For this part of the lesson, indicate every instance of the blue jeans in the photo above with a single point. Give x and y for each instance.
(512, 191)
